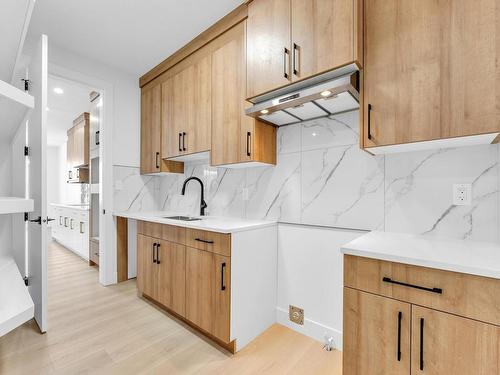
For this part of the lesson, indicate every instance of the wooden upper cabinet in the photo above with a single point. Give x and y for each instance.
(150, 129)
(448, 344)
(430, 70)
(80, 151)
(290, 40)
(376, 335)
(236, 137)
(323, 35)
(268, 46)
(191, 107)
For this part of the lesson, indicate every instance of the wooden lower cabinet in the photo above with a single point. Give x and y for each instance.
(386, 332)
(449, 344)
(146, 270)
(170, 263)
(200, 288)
(222, 297)
(376, 335)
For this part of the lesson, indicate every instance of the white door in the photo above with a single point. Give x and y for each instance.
(37, 175)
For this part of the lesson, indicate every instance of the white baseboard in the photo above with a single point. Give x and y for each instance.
(310, 328)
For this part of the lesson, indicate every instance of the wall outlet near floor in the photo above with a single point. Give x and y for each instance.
(462, 194)
(296, 315)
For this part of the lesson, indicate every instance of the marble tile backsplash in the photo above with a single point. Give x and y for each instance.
(323, 178)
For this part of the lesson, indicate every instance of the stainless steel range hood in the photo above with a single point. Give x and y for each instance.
(320, 96)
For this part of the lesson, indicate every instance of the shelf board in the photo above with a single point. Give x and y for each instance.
(17, 305)
(13, 205)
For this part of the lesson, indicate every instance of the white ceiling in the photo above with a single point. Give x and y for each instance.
(64, 108)
(133, 35)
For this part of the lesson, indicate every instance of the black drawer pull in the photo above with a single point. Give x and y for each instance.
(222, 282)
(180, 140)
(421, 344)
(97, 133)
(157, 163)
(204, 241)
(433, 290)
(400, 317)
(184, 141)
(154, 255)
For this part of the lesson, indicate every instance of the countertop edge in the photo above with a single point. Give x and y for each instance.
(422, 263)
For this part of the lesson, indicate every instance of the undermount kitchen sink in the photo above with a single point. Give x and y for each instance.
(183, 218)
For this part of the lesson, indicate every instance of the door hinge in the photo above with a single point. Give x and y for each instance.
(26, 280)
(26, 150)
(26, 216)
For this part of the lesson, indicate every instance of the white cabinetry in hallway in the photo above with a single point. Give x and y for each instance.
(70, 228)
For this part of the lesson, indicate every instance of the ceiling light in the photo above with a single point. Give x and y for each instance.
(58, 90)
(326, 93)
(264, 111)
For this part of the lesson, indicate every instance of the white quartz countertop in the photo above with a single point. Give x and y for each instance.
(73, 206)
(464, 256)
(210, 223)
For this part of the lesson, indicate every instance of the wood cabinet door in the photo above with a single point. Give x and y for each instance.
(448, 344)
(171, 264)
(146, 268)
(376, 335)
(151, 100)
(322, 36)
(200, 288)
(430, 70)
(171, 144)
(268, 46)
(199, 106)
(228, 91)
(222, 297)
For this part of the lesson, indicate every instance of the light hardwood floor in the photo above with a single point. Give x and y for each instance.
(109, 330)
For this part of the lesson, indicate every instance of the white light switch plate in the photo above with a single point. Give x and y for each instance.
(462, 194)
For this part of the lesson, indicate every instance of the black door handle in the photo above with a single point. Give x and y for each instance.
(97, 138)
(180, 137)
(421, 344)
(369, 121)
(400, 317)
(222, 273)
(433, 290)
(285, 63)
(295, 49)
(248, 143)
(158, 253)
(49, 219)
(154, 249)
(38, 220)
(204, 241)
(183, 141)
(156, 160)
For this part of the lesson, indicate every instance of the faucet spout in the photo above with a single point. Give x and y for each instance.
(203, 204)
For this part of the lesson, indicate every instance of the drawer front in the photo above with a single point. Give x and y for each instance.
(149, 229)
(173, 234)
(461, 294)
(214, 242)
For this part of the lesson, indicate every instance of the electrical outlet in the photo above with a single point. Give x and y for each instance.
(462, 194)
(296, 315)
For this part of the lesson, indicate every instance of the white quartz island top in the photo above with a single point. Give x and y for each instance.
(464, 256)
(210, 223)
(73, 206)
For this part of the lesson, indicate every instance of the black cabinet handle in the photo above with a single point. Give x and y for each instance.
(154, 255)
(204, 241)
(97, 142)
(296, 49)
(81, 227)
(369, 121)
(400, 317)
(158, 253)
(183, 141)
(70, 175)
(222, 273)
(433, 290)
(421, 344)
(180, 137)
(286, 52)
(156, 160)
(249, 135)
